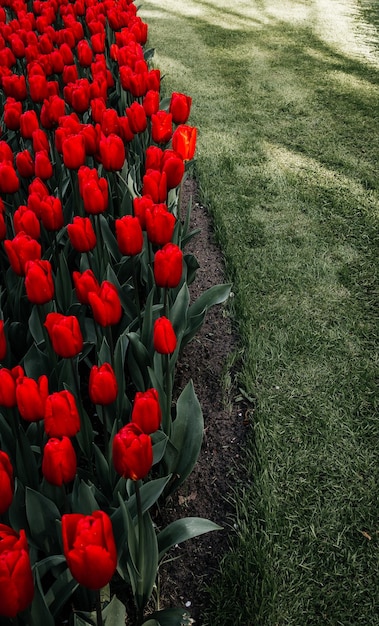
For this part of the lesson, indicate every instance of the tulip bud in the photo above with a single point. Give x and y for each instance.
(59, 461)
(6, 482)
(31, 397)
(61, 415)
(102, 384)
(132, 452)
(160, 224)
(39, 283)
(81, 234)
(146, 412)
(184, 141)
(65, 334)
(89, 548)
(17, 587)
(164, 336)
(105, 304)
(129, 235)
(168, 266)
(180, 107)
(161, 127)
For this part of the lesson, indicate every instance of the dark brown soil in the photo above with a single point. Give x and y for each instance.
(205, 494)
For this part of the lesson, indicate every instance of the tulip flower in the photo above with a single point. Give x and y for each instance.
(161, 127)
(51, 213)
(59, 461)
(12, 113)
(151, 102)
(65, 334)
(132, 452)
(81, 234)
(40, 140)
(25, 164)
(14, 86)
(164, 337)
(43, 165)
(28, 124)
(173, 166)
(20, 250)
(140, 204)
(168, 266)
(85, 283)
(9, 182)
(160, 224)
(8, 385)
(180, 107)
(6, 482)
(184, 141)
(89, 548)
(102, 384)
(39, 283)
(154, 184)
(129, 235)
(112, 152)
(24, 219)
(61, 415)
(85, 53)
(74, 151)
(146, 412)
(31, 397)
(93, 190)
(105, 304)
(137, 117)
(3, 341)
(16, 578)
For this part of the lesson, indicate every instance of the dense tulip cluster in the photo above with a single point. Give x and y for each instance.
(94, 306)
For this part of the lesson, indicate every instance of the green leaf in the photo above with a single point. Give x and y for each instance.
(147, 562)
(214, 295)
(36, 362)
(42, 514)
(182, 529)
(109, 239)
(179, 310)
(170, 617)
(40, 613)
(159, 440)
(186, 435)
(115, 613)
(83, 499)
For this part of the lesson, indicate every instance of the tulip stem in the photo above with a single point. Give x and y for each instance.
(140, 540)
(168, 391)
(99, 616)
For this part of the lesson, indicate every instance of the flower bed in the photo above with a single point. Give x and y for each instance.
(95, 310)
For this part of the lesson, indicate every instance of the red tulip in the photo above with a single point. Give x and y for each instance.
(9, 182)
(151, 102)
(59, 461)
(154, 184)
(40, 140)
(85, 283)
(184, 141)
(25, 164)
(161, 127)
(140, 205)
(173, 166)
(102, 384)
(160, 224)
(8, 380)
(39, 283)
(51, 213)
(16, 578)
(24, 219)
(43, 165)
(74, 151)
(3, 341)
(105, 304)
(61, 415)
(137, 117)
(129, 235)
(14, 86)
(168, 266)
(38, 89)
(93, 190)
(85, 54)
(146, 412)
(65, 334)
(81, 234)
(31, 397)
(12, 113)
(20, 250)
(89, 548)
(6, 482)
(132, 452)
(28, 124)
(112, 152)
(164, 336)
(52, 109)
(153, 158)
(180, 107)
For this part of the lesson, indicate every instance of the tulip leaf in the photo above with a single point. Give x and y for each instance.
(109, 239)
(182, 529)
(114, 613)
(60, 591)
(42, 514)
(36, 362)
(35, 326)
(83, 499)
(170, 617)
(40, 613)
(159, 440)
(147, 561)
(150, 493)
(26, 463)
(214, 295)
(123, 528)
(178, 311)
(186, 435)
(191, 265)
(138, 361)
(63, 289)
(16, 511)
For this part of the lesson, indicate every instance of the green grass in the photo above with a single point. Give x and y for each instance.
(287, 163)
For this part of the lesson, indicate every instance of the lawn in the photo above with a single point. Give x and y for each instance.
(286, 101)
